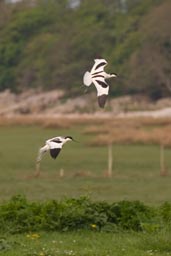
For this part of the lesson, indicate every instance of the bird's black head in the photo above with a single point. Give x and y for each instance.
(68, 137)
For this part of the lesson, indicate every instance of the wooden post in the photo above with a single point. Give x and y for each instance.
(61, 173)
(110, 160)
(163, 171)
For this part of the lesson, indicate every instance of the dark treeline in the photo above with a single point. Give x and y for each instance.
(50, 44)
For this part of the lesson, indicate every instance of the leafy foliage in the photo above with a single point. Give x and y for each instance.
(50, 44)
(18, 215)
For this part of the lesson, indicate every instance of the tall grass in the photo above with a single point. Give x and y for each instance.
(85, 119)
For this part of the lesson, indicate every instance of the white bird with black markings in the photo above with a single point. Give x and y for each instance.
(54, 146)
(97, 76)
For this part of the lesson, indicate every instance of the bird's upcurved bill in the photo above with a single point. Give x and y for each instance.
(75, 141)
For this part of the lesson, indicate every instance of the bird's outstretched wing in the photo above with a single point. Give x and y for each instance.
(97, 69)
(98, 66)
(54, 152)
(56, 140)
(102, 90)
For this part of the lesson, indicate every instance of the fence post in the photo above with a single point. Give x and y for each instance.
(110, 160)
(163, 171)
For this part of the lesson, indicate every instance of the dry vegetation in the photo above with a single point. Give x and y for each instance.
(105, 130)
(134, 130)
(133, 135)
(51, 122)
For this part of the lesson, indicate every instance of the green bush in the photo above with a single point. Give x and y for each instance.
(165, 212)
(19, 215)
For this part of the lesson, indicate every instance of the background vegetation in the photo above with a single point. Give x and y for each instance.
(50, 44)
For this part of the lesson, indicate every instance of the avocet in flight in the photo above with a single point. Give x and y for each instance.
(54, 146)
(97, 76)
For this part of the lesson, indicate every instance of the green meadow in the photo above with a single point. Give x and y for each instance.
(136, 168)
(87, 244)
(80, 170)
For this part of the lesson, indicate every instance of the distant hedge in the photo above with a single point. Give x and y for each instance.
(18, 215)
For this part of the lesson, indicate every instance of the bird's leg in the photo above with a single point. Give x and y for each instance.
(37, 173)
(41, 152)
(85, 89)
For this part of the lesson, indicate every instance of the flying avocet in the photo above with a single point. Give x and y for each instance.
(97, 76)
(54, 146)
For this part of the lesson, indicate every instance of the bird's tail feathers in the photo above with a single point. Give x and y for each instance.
(87, 80)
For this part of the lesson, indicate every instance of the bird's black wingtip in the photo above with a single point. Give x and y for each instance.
(102, 100)
(54, 152)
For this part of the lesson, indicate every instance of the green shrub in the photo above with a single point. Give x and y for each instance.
(19, 215)
(165, 212)
(130, 215)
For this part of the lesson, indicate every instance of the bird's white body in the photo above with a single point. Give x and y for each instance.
(54, 146)
(97, 76)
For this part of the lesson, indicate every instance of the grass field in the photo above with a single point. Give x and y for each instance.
(86, 244)
(136, 176)
(136, 168)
